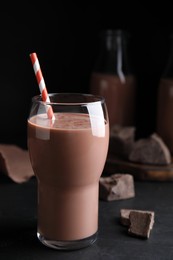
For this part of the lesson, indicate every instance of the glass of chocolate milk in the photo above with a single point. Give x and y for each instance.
(68, 156)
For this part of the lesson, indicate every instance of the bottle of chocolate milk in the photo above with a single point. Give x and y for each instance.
(112, 77)
(164, 120)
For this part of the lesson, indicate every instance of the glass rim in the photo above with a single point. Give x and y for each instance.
(97, 99)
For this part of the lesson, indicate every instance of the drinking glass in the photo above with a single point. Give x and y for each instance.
(68, 154)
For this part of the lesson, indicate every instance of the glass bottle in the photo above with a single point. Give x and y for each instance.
(113, 79)
(164, 118)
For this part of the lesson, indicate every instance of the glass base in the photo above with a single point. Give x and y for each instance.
(68, 245)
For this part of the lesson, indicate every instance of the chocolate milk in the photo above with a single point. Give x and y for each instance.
(119, 95)
(68, 160)
(165, 112)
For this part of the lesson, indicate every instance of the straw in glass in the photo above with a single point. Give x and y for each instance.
(42, 85)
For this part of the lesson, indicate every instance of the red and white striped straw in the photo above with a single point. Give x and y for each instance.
(42, 85)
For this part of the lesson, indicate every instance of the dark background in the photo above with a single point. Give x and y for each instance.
(64, 35)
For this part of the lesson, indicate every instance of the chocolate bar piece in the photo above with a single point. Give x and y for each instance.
(125, 216)
(15, 163)
(141, 223)
(116, 187)
(151, 150)
(121, 140)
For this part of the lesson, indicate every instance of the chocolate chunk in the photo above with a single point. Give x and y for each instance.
(116, 187)
(15, 163)
(124, 217)
(151, 150)
(121, 140)
(141, 223)
(125, 213)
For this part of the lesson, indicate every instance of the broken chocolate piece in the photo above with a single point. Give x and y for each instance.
(121, 140)
(140, 223)
(15, 163)
(125, 213)
(151, 150)
(116, 187)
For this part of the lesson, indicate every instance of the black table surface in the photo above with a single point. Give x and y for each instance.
(18, 225)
